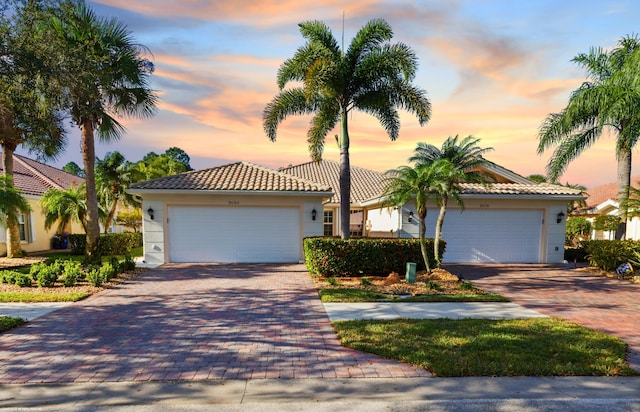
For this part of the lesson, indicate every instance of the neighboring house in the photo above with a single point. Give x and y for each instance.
(602, 200)
(247, 213)
(33, 179)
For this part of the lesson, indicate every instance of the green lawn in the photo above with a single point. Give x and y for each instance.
(360, 295)
(483, 347)
(7, 323)
(32, 297)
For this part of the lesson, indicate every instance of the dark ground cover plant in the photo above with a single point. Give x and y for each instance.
(609, 254)
(7, 323)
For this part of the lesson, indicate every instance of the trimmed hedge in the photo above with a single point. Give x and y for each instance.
(328, 256)
(110, 244)
(609, 254)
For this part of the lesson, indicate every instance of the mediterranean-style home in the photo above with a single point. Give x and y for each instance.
(242, 212)
(33, 178)
(603, 200)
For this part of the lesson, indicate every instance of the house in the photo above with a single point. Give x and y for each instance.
(603, 200)
(33, 179)
(242, 212)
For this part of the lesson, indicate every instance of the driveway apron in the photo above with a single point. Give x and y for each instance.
(191, 322)
(597, 302)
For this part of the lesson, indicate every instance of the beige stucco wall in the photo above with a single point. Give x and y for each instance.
(156, 246)
(552, 233)
(40, 238)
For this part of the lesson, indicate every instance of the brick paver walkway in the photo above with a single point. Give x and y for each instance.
(597, 302)
(191, 322)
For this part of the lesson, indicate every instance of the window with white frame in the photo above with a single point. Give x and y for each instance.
(328, 222)
(23, 227)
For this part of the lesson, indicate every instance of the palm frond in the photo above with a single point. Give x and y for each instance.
(287, 102)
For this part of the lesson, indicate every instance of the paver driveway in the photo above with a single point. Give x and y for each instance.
(191, 322)
(609, 305)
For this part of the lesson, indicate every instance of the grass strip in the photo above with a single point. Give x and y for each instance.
(483, 347)
(33, 297)
(335, 295)
(7, 323)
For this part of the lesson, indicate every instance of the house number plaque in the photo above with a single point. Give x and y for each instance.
(234, 202)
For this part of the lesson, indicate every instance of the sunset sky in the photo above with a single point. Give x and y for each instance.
(492, 69)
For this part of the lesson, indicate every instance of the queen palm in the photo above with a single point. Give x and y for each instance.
(372, 75)
(113, 177)
(466, 157)
(607, 101)
(106, 76)
(424, 182)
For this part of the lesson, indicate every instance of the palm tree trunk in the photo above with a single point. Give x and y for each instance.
(14, 248)
(112, 213)
(623, 183)
(93, 226)
(345, 178)
(438, 234)
(422, 228)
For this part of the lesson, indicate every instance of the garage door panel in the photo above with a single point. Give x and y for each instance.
(238, 234)
(491, 235)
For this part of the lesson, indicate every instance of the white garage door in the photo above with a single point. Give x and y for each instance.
(490, 235)
(238, 234)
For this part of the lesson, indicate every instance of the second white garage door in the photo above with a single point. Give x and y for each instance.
(234, 234)
(504, 236)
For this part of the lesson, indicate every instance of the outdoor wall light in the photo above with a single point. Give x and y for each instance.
(314, 213)
(560, 217)
(150, 212)
(410, 217)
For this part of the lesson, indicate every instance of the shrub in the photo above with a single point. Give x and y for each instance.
(608, 223)
(77, 243)
(333, 281)
(94, 276)
(127, 264)
(107, 271)
(23, 280)
(72, 273)
(8, 276)
(328, 257)
(47, 276)
(433, 285)
(578, 229)
(109, 244)
(609, 254)
(466, 286)
(364, 281)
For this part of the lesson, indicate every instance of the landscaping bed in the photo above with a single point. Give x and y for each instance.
(440, 285)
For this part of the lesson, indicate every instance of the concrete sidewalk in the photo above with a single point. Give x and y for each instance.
(428, 310)
(30, 311)
(522, 393)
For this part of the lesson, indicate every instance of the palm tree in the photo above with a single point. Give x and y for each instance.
(28, 108)
(372, 75)
(107, 75)
(11, 205)
(64, 207)
(113, 177)
(608, 100)
(466, 159)
(424, 182)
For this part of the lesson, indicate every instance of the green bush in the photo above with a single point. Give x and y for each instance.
(94, 276)
(107, 271)
(609, 254)
(23, 280)
(329, 256)
(578, 229)
(127, 264)
(47, 276)
(72, 273)
(109, 244)
(9, 276)
(466, 286)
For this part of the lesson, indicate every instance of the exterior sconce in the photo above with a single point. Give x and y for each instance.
(410, 217)
(314, 214)
(150, 212)
(560, 217)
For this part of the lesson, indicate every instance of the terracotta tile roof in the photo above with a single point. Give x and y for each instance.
(34, 178)
(365, 183)
(241, 176)
(602, 193)
(518, 189)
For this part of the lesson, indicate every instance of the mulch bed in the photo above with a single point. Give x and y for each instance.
(396, 285)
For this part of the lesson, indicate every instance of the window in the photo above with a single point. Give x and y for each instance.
(356, 222)
(23, 227)
(328, 222)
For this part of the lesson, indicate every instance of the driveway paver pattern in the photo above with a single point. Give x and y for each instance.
(597, 302)
(191, 322)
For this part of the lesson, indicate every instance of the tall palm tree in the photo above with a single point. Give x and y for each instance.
(372, 75)
(11, 205)
(113, 178)
(424, 182)
(64, 207)
(466, 159)
(29, 115)
(606, 101)
(106, 76)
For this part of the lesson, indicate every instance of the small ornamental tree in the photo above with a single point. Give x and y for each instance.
(578, 229)
(607, 223)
